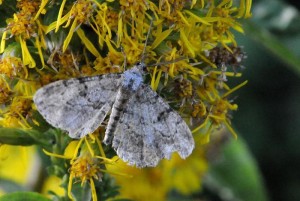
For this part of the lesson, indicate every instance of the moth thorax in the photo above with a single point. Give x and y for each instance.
(133, 79)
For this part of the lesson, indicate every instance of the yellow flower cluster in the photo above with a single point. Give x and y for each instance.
(184, 176)
(191, 52)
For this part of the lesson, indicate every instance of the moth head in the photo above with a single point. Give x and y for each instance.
(141, 66)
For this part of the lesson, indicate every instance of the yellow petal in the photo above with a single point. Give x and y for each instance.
(70, 149)
(53, 25)
(42, 6)
(248, 9)
(70, 34)
(199, 19)
(187, 43)
(70, 186)
(38, 45)
(234, 89)
(88, 44)
(234, 134)
(93, 189)
(26, 56)
(51, 184)
(3, 40)
(155, 79)
(59, 20)
(161, 37)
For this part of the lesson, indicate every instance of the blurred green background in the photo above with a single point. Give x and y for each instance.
(269, 105)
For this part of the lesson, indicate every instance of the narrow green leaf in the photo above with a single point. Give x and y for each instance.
(23, 196)
(14, 136)
(273, 44)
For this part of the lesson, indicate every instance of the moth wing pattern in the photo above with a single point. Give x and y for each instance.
(78, 105)
(150, 130)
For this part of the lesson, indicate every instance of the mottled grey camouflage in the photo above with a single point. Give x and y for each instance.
(142, 127)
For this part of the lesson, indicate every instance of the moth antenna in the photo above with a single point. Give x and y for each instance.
(168, 62)
(146, 41)
(125, 58)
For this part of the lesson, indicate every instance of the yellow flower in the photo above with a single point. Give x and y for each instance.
(80, 13)
(85, 168)
(185, 88)
(104, 23)
(51, 185)
(85, 165)
(18, 164)
(134, 7)
(156, 183)
(144, 184)
(12, 67)
(15, 116)
(23, 26)
(28, 6)
(218, 112)
(185, 175)
(5, 91)
(190, 53)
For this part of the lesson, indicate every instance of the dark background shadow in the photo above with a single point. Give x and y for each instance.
(269, 115)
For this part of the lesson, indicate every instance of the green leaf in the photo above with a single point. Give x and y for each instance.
(7, 9)
(273, 44)
(12, 48)
(81, 192)
(23, 196)
(45, 138)
(14, 136)
(236, 175)
(10, 186)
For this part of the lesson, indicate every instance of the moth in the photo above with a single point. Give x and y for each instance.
(142, 127)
